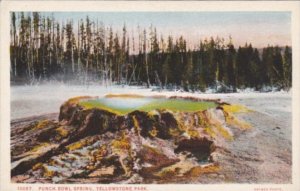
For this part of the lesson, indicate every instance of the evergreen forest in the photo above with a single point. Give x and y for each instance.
(43, 49)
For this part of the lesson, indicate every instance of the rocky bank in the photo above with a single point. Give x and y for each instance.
(98, 146)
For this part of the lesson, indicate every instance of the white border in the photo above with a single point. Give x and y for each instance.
(8, 6)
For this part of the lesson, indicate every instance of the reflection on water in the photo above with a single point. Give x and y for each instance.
(126, 103)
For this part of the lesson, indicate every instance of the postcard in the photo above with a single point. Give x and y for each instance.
(150, 95)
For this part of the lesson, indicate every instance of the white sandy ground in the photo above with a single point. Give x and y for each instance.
(262, 154)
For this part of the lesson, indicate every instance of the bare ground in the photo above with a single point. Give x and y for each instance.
(260, 155)
(263, 154)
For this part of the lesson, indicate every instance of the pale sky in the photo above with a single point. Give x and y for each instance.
(259, 28)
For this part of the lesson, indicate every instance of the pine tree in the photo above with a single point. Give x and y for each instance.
(287, 64)
(117, 58)
(200, 68)
(154, 56)
(278, 66)
(123, 56)
(166, 68)
(69, 56)
(188, 71)
(256, 80)
(249, 66)
(231, 66)
(110, 53)
(146, 57)
(13, 46)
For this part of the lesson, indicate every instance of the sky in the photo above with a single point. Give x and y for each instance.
(259, 28)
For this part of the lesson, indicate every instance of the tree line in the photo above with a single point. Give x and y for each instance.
(42, 48)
